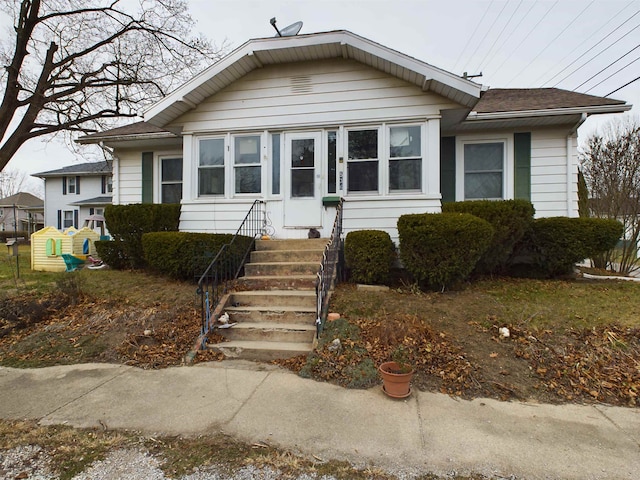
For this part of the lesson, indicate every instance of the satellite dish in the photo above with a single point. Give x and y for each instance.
(289, 31)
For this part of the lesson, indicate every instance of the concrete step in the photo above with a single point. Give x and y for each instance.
(292, 244)
(282, 268)
(263, 351)
(273, 256)
(273, 315)
(272, 332)
(278, 282)
(273, 299)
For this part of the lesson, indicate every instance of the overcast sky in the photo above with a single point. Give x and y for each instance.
(570, 44)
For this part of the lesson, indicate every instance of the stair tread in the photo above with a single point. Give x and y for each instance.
(271, 308)
(276, 293)
(274, 326)
(262, 345)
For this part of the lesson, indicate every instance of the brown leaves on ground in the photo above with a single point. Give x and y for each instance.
(601, 364)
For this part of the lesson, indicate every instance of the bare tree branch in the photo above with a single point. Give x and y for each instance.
(78, 65)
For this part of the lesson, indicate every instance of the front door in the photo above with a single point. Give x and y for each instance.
(303, 198)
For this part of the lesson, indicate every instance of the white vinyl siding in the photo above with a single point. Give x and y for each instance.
(327, 92)
(549, 178)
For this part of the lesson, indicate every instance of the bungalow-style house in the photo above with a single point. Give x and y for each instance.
(74, 193)
(296, 120)
(23, 212)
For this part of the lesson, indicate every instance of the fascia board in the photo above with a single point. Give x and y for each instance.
(474, 116)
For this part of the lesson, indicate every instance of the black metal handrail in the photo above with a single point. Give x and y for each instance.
(330, 270)
(227, 265)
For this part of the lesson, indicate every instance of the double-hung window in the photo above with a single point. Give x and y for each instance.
(67, 220)
(405, 158)
(247, 167)
(211, 166)
(484, 170)
(362, 164)
(170, 180)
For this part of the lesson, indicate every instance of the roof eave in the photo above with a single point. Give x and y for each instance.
(549, 112)
(125, 138)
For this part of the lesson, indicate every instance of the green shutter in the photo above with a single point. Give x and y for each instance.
(522, 158)
(448, 169)
(147, 177)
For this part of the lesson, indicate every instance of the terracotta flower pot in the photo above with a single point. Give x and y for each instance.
(395, 381)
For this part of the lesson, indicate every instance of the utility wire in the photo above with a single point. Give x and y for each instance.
(614, 73)
(552, 41)
(488, 31)
(527, 35)
(615, 61)
(597, 54)
(471, 37)
(533, 4)
(581, 44)
(499, 35)
(625, 85)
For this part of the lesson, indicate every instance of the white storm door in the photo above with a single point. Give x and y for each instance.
(303, 198)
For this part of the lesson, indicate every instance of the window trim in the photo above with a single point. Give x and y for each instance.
(507, 162)
(233, 166)
(422, 158)
(157, 172)
(381, 176)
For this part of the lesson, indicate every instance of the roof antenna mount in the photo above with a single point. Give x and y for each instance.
(288, 31)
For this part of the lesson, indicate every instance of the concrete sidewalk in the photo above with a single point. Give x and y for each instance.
(427, 432)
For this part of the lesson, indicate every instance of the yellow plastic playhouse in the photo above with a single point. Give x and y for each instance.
(50, 247)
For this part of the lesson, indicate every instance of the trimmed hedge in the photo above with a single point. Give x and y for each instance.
(112, 252)
(127, 223)
(369, 254)
(510, 220)
(555, 244)
(186, 255)
(441, 249)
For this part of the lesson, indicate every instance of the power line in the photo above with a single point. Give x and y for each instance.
(625, 85)
(499, 35)
(580, 45)
(615, 61)
(488, 30)
(510, 34)
(474, 32)
(528, 34)
(598, 54)
(552, 41)
(614, 73)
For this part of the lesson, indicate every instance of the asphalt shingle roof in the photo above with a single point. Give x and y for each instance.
(21, 199)
(84, 169)
(523, 99)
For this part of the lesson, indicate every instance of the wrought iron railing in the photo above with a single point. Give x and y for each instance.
(330, 270)
(227, 265)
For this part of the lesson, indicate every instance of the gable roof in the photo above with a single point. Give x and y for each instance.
(80, 169)
(317, 46)
(22, 200)
(497, 100)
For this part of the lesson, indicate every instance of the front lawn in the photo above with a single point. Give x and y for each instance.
(570, 341)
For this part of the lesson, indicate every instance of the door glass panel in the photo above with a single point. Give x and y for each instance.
(302, 167)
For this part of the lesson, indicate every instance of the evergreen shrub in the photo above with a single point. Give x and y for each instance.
(369, 255)
(441, 249)
(510, 220)
(186, 255)
(127, 223)
(555, 244)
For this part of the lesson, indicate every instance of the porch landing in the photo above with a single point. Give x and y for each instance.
(273, 307)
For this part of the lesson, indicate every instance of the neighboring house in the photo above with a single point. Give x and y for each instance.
(23, 212)
(73, 193)
(294, 120)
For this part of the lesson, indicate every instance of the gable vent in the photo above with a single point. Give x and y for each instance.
(301, 84)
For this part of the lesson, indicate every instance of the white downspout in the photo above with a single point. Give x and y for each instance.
(570, 181)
